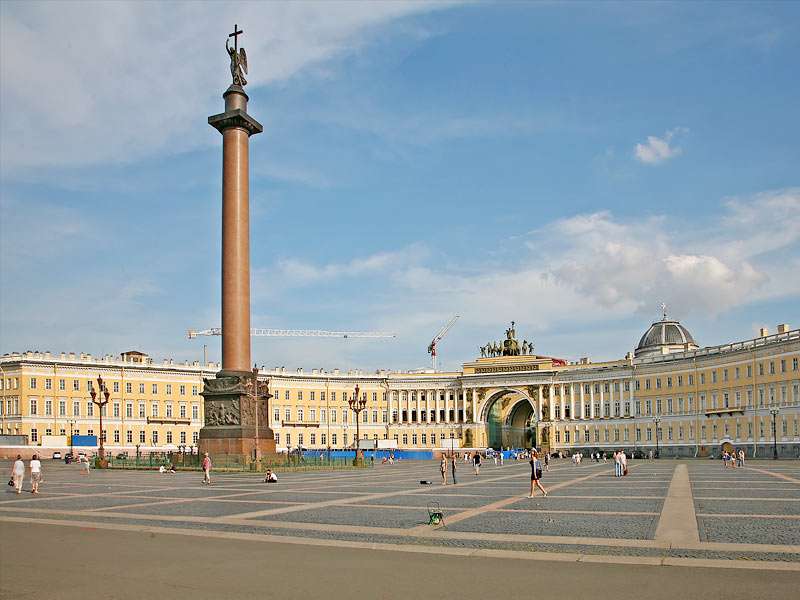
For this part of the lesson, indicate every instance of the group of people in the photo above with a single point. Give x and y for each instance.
(18, 473)
(620, 463)
(537, 467)
(733, 458)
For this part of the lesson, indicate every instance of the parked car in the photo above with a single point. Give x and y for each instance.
(122, 455)
(56, 455)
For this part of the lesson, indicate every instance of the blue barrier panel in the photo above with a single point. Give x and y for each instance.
(84, 440)
(378, 455)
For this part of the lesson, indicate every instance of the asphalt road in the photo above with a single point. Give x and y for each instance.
(49, 561)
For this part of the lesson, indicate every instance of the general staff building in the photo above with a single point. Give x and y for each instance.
(670, 394)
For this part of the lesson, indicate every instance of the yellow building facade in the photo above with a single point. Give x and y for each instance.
(670, 395)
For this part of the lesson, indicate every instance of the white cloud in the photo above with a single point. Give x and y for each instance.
(657, 150)
(87, 82)
(582, 270)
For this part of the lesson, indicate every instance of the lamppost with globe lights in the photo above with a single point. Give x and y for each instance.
(71, 425)
(101, 463)
(774, 412)
(358, 404)
(657, 420)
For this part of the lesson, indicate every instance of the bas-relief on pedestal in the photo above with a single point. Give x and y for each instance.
(230, 420)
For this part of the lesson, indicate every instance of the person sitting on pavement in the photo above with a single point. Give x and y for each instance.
(270, 477)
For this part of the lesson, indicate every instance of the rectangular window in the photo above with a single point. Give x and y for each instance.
(116, 410)
(300, 395)
(724, 374)
(286, 396)
(141, 388)
(385, 417)
(48, 407)
(116, 436)
(287, 414)
(413, 439)
(129, 410)
(182, 411)
(323, 439)
(129, 436)
(680, 380)
(129, 388)
(669, 382)
(34, 408)
(34, 435)
(194, 390)
(658, 383)
(155, 438)
(154, 409)
(155, 389)
(183, 437)
(141, 411)
(33, 383)
(647, 384)
(48, 383)
(182, 390)
(405, 439)
(76, 408)
(169, 437)
(168, 389)
(141, 437)
(313, 439)
(333, 436)
(76, 385)
(300, 414)
(196, 412)
(168, 411)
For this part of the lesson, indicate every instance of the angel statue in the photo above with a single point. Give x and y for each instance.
(238, 63)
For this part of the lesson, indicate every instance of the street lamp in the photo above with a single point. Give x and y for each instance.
(774, 412)
(357, 405)
(657, 420)
(71, 424)
(101, 404)
(263, 389)
(453, 439)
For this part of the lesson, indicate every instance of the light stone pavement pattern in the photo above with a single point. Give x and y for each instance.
(665, 511)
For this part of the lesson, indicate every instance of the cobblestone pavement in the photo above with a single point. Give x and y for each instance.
(750, 514)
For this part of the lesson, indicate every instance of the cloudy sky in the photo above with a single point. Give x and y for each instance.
(569, 166)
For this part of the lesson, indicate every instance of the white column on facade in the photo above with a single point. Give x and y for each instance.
(463, 393)
(550, 399)
(539, 409)
(408, 406)
(582, 399)
(436, 407)
(591, 401)
(446, 408)
(561, 401)
(602, 400)
(474, 406)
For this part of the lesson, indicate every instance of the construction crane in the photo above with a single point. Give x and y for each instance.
(439, 336)
(193, 333)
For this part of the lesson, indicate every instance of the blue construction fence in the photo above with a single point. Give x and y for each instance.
(378, 455)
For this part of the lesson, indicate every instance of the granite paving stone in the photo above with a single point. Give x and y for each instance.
(764, 530)
(536, 523)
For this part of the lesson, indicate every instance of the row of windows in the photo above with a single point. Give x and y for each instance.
(116, 409)
(129, 437)
(300, 411)
(313, 396)
(323, 438)
(672, 431)
(76, 386)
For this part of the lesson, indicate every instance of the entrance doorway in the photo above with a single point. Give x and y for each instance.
(511, 423)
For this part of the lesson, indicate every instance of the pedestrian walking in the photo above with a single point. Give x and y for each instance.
(617, 464)
(495, 458)
(454, 469)
(502, 456)
(476, 463)
(624, 462)
(536, 474)
(206, 469)
(84, 460)
(546, 461)
(36, 473)
(741, 457)
(725, 457)
(18, 473)
(443, 469)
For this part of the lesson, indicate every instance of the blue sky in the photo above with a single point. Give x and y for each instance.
(566, 165)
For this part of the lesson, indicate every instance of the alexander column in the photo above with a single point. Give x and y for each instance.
(229, 403)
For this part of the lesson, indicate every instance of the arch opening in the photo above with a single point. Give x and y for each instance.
(511, 422)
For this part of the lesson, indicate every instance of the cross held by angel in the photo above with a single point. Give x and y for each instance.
(238, 57)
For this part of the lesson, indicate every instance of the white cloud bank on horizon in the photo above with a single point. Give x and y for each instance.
(590, 264)
(657, 150)
(98, 82)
